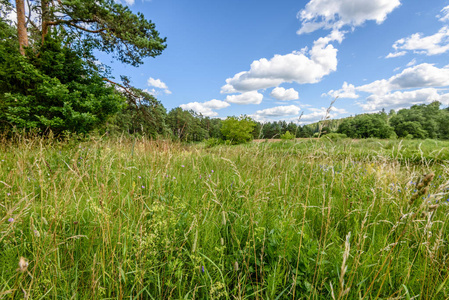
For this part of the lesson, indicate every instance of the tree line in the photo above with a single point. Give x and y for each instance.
(419, 122)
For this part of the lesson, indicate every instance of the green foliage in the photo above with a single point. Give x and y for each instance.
(103, 24)
(366, 126)
(186, 125)
(53, 90)
(287, 136)
(421, 121)
(335, 136)
(144, 120)
(238, 130)
(212, 142)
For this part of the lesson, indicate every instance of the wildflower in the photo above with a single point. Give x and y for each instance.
(174, 177)
(10, 220)
(139, 177)
(182, 166)
(143, 186)
(9, 194)
(212, 171)
(202, 269)
(36, 233)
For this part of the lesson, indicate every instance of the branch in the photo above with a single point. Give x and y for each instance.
(123, 87)
(88, 30)
(132, 97)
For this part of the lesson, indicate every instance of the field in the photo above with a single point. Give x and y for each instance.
(139, 219)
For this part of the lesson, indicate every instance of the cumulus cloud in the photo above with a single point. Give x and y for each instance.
(157, 83)
(282, 94)
(400, 99)
(346, 91)
(252, 97)
(422, 75)
(205, 108)
(292, 67)
(437, 43)
(333, 14)
(279, 111)
(415, 85)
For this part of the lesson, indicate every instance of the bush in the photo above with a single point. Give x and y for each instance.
(287, 136)
(238, 130)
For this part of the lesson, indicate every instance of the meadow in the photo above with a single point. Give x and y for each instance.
(131, 218)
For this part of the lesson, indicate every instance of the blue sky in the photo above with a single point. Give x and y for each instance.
(275, 60)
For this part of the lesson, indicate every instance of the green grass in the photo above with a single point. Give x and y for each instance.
(139, 219)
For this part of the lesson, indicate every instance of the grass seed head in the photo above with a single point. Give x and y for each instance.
(23, 264)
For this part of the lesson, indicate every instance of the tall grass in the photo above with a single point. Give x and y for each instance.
(140, 219)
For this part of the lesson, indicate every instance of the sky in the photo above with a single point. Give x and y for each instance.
(279, 60)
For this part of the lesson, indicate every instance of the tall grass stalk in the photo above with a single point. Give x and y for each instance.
(126, 218)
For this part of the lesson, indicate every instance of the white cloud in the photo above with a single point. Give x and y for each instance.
(216, 104)
(396, 54)
(411, 63)
(127, 2)
(437, 43)
(414, 85)
(282, 94)
(157, 83)
(335, 14)
(278, 111)
(401, 99)
(295, 66)
(252, 97)
(205, 108)
(151, 92)
(445, 16)
(422, 75)
(376, 87)
(346, 91)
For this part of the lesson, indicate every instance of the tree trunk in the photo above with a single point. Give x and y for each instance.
(21, 26)
(45, 19)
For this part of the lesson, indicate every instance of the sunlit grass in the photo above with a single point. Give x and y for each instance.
(140, 219)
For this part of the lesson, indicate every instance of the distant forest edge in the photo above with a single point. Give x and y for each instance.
(50, 81)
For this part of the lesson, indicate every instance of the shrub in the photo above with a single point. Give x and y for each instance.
(287, 136)
(238, 130)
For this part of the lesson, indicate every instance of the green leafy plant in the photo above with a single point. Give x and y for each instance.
(238, 130)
